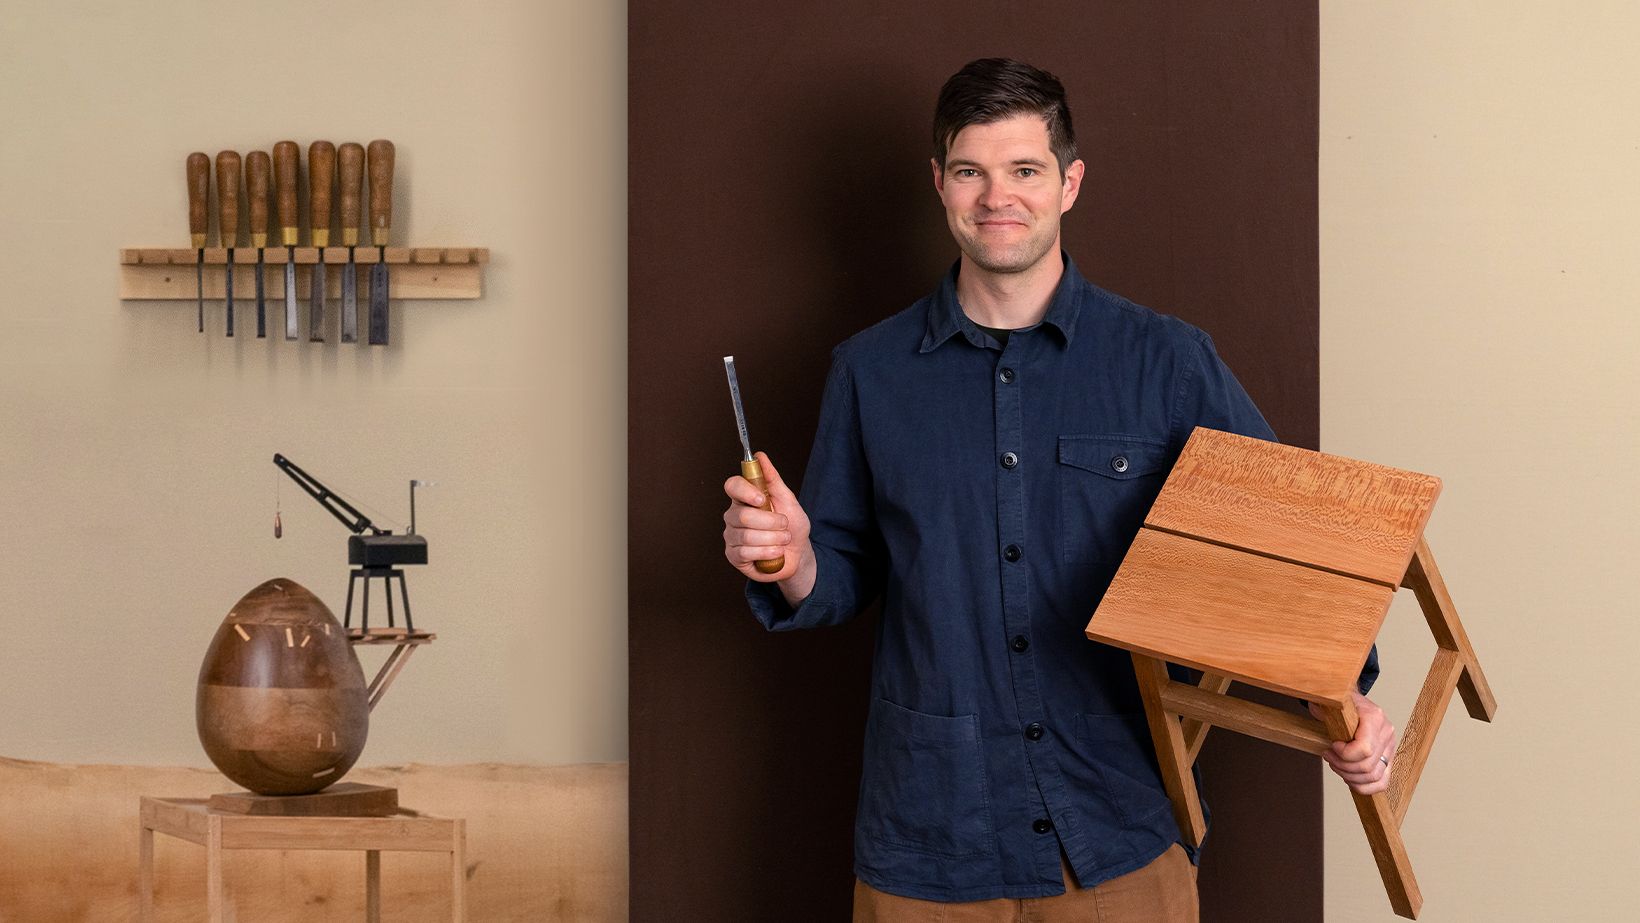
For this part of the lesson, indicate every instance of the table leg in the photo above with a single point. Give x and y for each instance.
(373, 886)
(458, 873)
(145, 852)
(213, 870)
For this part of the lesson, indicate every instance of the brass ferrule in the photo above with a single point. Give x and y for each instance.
(350, 237)
(321, 237)
(378, 237)
(259, 240)
(289, 236)
(751, 470)
(199, 241)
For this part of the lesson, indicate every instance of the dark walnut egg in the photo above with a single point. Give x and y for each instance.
(282, 707)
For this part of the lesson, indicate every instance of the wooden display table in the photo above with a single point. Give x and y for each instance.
(191, 820)
(1274, 566)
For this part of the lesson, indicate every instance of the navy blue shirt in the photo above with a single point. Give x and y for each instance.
(988, 493)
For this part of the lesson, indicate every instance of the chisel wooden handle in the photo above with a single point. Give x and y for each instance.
(350, 164)
(227, 197)
(285, 157)
(257, 172)
(380, 165)
(752, 471)
(321, 181)
(199, 190)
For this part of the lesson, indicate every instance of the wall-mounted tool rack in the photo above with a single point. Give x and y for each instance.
(167, 274)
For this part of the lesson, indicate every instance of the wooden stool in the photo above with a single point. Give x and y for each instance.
(1274, 566)
(191, 820)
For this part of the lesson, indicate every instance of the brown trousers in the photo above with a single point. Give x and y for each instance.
(1162, 892)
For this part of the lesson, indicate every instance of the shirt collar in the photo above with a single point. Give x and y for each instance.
(945, 317)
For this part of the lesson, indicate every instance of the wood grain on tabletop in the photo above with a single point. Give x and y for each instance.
(1280, 626)
(1350, 516)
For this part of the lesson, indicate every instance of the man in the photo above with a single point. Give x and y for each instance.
(983, 460)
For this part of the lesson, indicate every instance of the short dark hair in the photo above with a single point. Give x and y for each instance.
(993, 89)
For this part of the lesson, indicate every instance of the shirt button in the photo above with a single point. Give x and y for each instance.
(1011, 553)
(1019, 644)
(1033, 731)
(1119, 463)
(1009, 459)
(1042, 825)
(1007, 376)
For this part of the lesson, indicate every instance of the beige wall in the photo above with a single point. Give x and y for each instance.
(136, 486)
(1480, 267)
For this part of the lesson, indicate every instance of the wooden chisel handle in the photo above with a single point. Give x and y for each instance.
(199, 190)
(285, 157)
(321, 182)
(752, 471)
(380, 165)
(350, 166)
(258, 169)
(227, 197)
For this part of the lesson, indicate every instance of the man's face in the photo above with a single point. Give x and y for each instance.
(1003, 193)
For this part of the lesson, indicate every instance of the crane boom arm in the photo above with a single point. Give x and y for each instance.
(328, 498)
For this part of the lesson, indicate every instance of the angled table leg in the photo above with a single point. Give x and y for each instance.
(215, 899)
(1382, 827)
(373, 886)
(145, 852)
(458, 873)
(1172, 753)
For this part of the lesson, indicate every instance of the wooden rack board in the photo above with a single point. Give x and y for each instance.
(167, 274)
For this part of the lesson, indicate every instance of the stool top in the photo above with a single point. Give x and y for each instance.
(1335, 513)
(1270, 564)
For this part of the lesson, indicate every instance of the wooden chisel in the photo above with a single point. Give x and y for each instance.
(350, 169)
(285, 156)
(227, 216)
(258, 168)
(321, 183)
(379, 164)
(749, 468)
(198, 169)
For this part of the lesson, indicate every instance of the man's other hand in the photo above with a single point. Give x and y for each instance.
(1364, 762)
(752, 534)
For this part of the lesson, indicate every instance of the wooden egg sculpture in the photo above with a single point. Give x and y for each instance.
(282, 707)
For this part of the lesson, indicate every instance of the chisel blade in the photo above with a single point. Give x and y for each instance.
(291, 325)
(350, 301)
(740, 412)
(228, 276)
(316, 313)
(378, 303)
(261, 299)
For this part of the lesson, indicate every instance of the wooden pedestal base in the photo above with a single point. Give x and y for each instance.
(344, 799)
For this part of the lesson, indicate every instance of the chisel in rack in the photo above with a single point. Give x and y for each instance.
(199, 219)
(227, 215)
(350, 169)
(285, 156)
(258, 169)
(321, 181)
(379, 164)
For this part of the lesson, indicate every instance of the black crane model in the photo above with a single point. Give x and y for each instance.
(375, 556)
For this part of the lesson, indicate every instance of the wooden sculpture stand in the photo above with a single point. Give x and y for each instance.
(191, 820)
(1274, 566)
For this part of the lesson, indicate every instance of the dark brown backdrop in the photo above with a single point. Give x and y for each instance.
(780, 201)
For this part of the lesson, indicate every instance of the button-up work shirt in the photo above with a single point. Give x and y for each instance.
(988, 492)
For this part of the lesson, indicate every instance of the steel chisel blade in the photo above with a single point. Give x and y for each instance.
(350, 302)
(291, 326)
(378, 304)
(316, 312)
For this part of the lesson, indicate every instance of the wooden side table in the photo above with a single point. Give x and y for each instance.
(407, 830)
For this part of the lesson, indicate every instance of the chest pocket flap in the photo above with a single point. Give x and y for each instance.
(1107, 483)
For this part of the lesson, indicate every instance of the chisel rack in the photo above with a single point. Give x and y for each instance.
(167, 274)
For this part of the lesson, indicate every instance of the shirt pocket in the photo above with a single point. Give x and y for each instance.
(1106, 486)
(925, 785)
(1119, 750)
